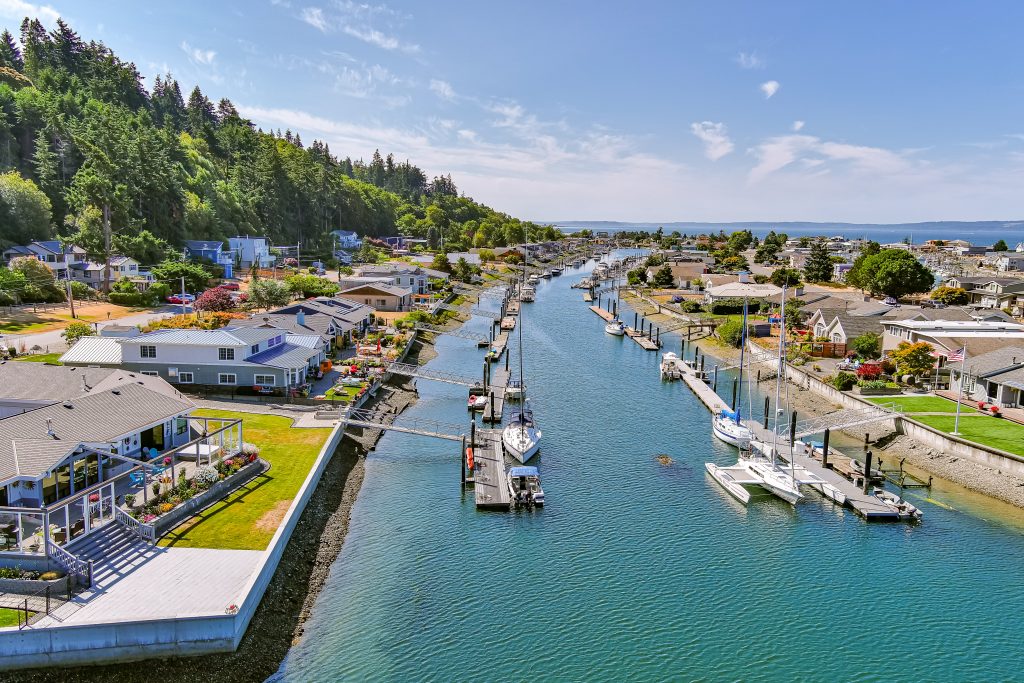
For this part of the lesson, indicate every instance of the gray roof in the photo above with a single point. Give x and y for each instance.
(997, 361)
(856, 325)
(222, 337)
(313, 323)
(906, 313)
(94, 351)
(28, 450)
(391, 290)
(203, 245)
(283, 356)
(55, 383)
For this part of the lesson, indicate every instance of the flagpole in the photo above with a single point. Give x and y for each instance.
(960, 393)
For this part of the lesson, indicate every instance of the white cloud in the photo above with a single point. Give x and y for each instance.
(798, 126)
(750, 60)
(16, 10)
(314, 16)
(715, 138)
(197, 55)
(769, 88)
(775, 154)
(381, 40)
(443, 89)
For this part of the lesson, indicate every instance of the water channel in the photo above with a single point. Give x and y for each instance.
(640, 571)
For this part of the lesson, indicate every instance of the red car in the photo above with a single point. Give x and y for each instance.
(233, 286)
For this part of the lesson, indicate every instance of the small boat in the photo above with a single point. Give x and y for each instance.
(556, 272)
(524, 486)
(476, 402)
(533, 279)
(515, 390)
(508, 323)
(727, 427)
(521, 437)
(615, 327)
(528, 295)
(858, 467)
(546, 274)
(895, 503)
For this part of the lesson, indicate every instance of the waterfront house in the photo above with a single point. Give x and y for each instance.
(739, 290)
(950, 335)
(684, 274)
(225, 359)
(211, 251)
(57, 258)
(398, 273)
(247, 251)
(346, 239)
(995, 377)
(93, 274)
(380, 296)
(331, 330)
(352, 317)
(1009, 261)
(843, 327)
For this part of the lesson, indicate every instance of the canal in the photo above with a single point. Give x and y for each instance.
(636, 570)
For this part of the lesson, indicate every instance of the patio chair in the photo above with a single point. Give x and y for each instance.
(137, 479)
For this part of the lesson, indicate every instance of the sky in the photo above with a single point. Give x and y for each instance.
(677, 111)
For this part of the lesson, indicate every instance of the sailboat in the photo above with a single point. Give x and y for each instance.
(521, 437)
(727, 424)
(760, 467)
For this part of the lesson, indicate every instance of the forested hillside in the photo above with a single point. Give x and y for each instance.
(82, 140)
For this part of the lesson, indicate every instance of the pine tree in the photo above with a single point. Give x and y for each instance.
(10, 53)
(818, 267)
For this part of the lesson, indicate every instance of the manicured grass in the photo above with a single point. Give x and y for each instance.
(987, 430)
(53, 358)
(923, 404)
(9, 617)
(248, 518)
(344, 394)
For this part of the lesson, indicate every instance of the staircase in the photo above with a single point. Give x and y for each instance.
(113, 550)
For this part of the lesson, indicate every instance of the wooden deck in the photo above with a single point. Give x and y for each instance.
(492, 412)
(490, 487)
(499, 345)
(512, 308)
(608, 317)
(508, 323)
(640, 338)
(867, 506)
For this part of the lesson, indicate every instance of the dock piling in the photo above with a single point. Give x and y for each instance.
(824, 450)
(766, 406)
(463, 458)
(867, 439)
(714, 384)
(792, 427)
(867, 470)
(733, 404)
(634, 320)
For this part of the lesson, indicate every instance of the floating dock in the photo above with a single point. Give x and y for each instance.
(605, 315)
(508, 323)
(496, 396)
(489, 475)
(643, 340)
(512, 307)
(865, 505)
(499, 346)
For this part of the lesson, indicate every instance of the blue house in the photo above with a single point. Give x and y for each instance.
(347, 239)
(212, 251)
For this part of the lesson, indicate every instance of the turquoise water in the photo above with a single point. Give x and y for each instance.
(639, 571)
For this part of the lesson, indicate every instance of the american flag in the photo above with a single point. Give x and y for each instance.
(956, 356)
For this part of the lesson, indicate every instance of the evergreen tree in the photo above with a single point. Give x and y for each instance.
(818, 267)
(10, 53)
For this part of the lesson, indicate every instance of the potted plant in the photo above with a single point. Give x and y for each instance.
(995, 411)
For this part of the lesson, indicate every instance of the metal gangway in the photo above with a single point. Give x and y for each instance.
(470, 310)
(457, 332)
(419, 371)
(370, 419)
(844, 419)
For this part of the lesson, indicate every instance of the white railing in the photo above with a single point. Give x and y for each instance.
(146, 532)
(71, 563)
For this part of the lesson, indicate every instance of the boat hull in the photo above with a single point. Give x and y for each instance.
(734, 437)
(521, 449)
(726, 481)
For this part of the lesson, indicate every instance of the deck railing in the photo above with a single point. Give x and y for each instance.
(71, 563)
(146, 532)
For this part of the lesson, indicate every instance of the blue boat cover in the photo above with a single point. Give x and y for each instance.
(728, 414)
(524, 471)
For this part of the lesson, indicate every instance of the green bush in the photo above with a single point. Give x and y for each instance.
(126, 298)
(732, 305)
(51, 576)
(844, 381)
(730, 332)
(690, 306)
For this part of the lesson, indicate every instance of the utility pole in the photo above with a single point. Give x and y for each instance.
(71, 295)
(183, 295)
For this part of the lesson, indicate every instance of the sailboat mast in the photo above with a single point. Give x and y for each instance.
(743, 348)
(779, 376)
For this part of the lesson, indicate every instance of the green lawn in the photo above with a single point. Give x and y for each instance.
(248, 518)
(9, 617)
(983, 429)
(923, 404)
(344, 394)
(53, 358)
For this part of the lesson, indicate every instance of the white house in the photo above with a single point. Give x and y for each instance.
(50, 252)
(250, 250)
(346, 239)
(92, 273)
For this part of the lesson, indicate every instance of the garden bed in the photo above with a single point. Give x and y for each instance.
(166, 522)
(877, 391)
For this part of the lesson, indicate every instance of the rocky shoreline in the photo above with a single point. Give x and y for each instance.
(305, 565)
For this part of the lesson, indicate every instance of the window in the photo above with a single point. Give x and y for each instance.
(147, 351)
(180, 425)
(150, 373)
(382, 302)
(227, 378)
(226, 354)
(185, 377)
(255, 349)
(264, 380)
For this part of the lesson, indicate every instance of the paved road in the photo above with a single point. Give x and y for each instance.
(52, 342)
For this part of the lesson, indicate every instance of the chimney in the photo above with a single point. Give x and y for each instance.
(85, 386)
(49, 428)
(300, 317)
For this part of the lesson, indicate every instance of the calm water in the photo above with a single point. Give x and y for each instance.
(639, 571)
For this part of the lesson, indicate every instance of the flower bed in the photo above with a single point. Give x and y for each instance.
(22, 581)
(218, 490)
(162, 503)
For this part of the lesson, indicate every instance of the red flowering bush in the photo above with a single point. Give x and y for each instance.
(869, 371)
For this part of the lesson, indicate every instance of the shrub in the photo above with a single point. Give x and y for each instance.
(215, 299)
(690, 306)
(730, 332)
(732, 305)
(129, 499)
(125, 298)
(206, 476)
(844, 381)
(869, 371)
(875, 384)
(51, 576)
(75, 331)
(166, 507)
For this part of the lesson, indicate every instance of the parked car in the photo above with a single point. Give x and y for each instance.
(928, 303)
(890, 301)
(233, 286)
(179, 299)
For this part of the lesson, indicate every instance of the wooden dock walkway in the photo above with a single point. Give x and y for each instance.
(508, 323)
(492, 412)
(643, 340)
(499, 346)
(490, 485)
(512, 307)
(605, 315)
(865, 505)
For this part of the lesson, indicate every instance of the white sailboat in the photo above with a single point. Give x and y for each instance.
(727, 425)
(521, 438)
(615, 327)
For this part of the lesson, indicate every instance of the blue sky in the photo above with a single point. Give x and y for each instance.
(866, 112)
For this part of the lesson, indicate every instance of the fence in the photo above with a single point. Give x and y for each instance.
(33, 605)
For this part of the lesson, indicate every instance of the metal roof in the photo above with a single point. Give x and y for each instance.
(94, 351)
(283, 356)
(224, 337)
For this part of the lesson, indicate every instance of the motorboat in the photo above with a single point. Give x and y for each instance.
(546, 275)
(521, 437)
(556, 272)
(476, 402)
(897, 504)
(515, 390)
(524, 486)
(533, 279)
(615, 327)
(727, 427)
(528, 295)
